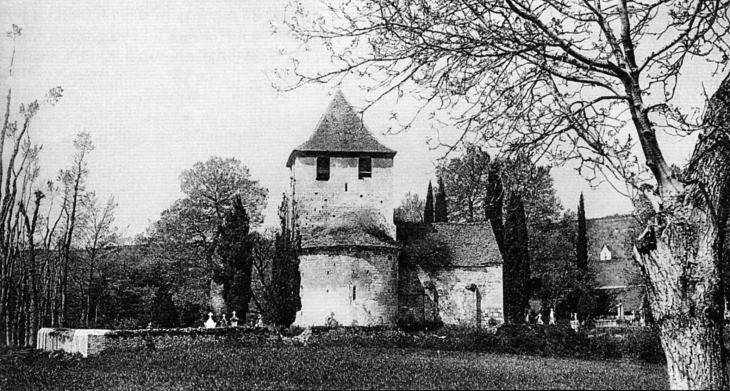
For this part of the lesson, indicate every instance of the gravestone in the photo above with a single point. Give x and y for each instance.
(574, 324)
(234, 320)
(210, 323)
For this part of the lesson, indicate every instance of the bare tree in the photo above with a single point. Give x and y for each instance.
(590, 80)
(20, 276)
(98, 237)
(73, 180)
(410, 209)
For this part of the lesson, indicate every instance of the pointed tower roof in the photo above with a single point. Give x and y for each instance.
(341, 131)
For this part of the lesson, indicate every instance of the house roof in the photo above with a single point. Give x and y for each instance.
(341, 130)
(469, 244)
(613, 232)
(350, 237)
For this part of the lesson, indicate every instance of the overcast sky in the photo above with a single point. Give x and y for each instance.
(163, 84)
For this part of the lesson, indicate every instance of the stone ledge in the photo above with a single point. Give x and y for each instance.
(82, 341)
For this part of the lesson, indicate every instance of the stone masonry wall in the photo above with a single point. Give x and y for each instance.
(328, 280)
(442, 295)
(319, 202)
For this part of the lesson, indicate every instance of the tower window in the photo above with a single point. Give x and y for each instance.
(354, 293)
(323, 168)
(365, 168)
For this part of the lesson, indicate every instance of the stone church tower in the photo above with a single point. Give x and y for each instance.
(341, 203)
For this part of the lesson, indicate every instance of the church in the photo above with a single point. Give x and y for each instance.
(360, 269)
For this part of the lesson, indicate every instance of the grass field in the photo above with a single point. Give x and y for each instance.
(229, 366)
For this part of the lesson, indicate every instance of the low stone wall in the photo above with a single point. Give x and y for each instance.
(82, 341)
(92, 341)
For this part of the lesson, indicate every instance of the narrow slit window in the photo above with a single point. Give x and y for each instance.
(365, 168)
(323, 168)
(354, 293)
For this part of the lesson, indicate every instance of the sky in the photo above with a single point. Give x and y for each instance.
(163, 84)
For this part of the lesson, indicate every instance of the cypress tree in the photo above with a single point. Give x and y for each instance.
(441, 209)
(285, 272)
(428, 210)
(493, 203)
(516, 277)
(235, 253)
(581, 245)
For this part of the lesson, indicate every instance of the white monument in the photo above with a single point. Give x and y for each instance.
(210, 323)
(234, 320)
(552, 316)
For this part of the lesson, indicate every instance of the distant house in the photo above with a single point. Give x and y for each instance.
(610, 256)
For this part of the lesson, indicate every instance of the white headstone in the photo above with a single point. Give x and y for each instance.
(620, 311)
(210, 323)
(552, 316)
(234, 320)
(539, 319)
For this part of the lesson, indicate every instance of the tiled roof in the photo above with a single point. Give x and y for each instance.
(345, 238)
(470, 244)
(341, 129)
(614, 232)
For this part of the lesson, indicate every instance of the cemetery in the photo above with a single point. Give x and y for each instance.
(267, 358)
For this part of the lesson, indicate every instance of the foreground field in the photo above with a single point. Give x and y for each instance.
(229, 366)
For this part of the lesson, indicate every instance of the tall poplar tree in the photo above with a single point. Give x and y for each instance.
(428, 210)
(581, 244)
(494, 201)
(285, 272)
(441, 210)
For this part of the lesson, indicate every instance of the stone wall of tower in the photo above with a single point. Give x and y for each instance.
(358, 285)
(322, 202)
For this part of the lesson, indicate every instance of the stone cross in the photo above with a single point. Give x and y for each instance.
(210, 323)
(223, 322)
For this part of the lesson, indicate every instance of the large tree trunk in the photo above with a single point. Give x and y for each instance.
(681, 256)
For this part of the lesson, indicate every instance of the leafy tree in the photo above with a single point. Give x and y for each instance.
(441, 214)
(236, 263)
(581, 244)
(535, 185)
(428, 210)
(465, 178)
(410, 210)
(516, 274)
(189, 233)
